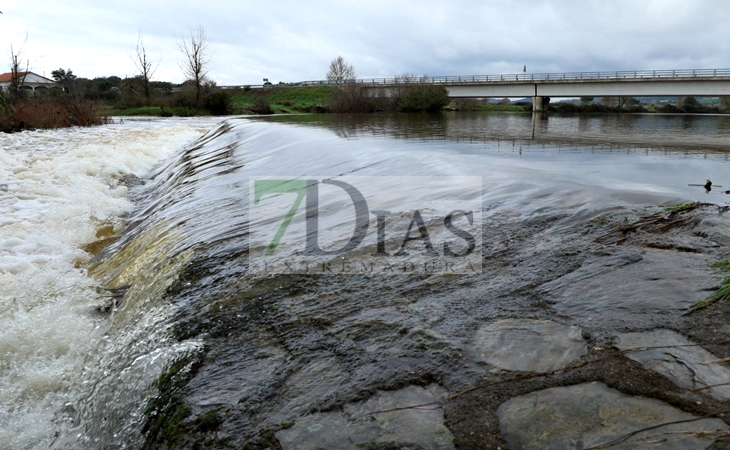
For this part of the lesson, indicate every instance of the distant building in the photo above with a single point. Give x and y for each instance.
(31, 82)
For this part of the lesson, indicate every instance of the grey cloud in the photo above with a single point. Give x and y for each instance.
(291, 41)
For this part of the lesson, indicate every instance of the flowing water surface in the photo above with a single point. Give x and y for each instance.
(83, 337)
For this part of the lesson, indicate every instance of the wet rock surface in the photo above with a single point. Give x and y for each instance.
(633, 285)
(592, 414)
(360, 426)
(528, 345)
(682, 361)
(288, 353)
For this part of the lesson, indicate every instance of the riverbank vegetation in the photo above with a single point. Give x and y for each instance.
(290, 100)
(83, 101)
(408, 98)
(91, 101)
(680, 105)
(17, 114)
(723, 289)
(33, 101)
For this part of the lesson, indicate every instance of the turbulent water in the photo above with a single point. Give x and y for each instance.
(64, 189)
(83, 338)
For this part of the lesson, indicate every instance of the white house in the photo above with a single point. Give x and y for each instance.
(30, 81)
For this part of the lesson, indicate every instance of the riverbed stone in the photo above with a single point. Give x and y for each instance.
(592, 414)
(686, 365)
(528, 345)
(315, 381)
(628, 287)
(355, 427)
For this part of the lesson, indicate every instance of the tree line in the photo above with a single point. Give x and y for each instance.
(197, 93)
(410, 94)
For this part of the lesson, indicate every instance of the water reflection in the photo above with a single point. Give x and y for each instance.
(652, 153)
(665, 131)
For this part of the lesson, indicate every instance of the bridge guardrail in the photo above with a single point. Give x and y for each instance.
(518, 77)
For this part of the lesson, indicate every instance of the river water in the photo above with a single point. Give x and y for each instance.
(83, 337)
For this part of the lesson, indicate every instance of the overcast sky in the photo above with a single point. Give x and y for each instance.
(287, 40)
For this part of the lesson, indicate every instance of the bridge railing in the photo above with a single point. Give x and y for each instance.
(518, 77)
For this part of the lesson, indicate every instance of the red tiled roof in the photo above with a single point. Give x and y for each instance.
(8, 77)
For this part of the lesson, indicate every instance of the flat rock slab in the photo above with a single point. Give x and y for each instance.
(592, 414)
(627, 286)
(415, 429)
(686, 366)
(528, 345)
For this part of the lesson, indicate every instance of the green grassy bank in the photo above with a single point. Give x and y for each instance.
(290, 100)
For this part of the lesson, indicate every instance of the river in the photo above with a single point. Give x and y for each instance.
(128, 263)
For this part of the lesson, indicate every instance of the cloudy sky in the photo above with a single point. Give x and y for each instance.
(288, 40)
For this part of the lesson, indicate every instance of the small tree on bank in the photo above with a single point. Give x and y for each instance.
(145, 69)
(17, 72)
(67, 79)
(340, 70)
(194, 65)
(63, 76)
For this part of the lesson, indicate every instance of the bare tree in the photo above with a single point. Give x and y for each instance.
(403, 82)
(340, 70)
(145, 68)
(17, 73)
(409, 78)
(194, 65)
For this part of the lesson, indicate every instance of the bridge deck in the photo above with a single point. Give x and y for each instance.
(686, 82)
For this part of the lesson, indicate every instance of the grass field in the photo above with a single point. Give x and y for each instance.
(290, 100)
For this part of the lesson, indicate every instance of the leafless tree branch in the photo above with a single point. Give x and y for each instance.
(17, 73)
(145, 68)
(194, 65)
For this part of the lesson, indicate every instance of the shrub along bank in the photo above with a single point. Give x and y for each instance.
(346, 99)
(408, 98)
(18, 113)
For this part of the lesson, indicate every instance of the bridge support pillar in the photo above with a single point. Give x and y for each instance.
(540, 104)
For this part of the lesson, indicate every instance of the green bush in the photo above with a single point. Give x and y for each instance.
(218, 103)
(423, 98)
(669, 108)
(261, 105)
(690, 101)
(349, 99)
(565, 107)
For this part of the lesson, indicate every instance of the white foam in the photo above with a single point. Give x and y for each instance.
(61, 185)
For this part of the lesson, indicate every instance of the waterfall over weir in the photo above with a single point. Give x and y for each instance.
(133, 311)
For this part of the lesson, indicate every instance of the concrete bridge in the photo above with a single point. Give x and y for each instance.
(642, 83)
(542, 86)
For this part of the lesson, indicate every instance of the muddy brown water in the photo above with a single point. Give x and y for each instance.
(559, 196)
